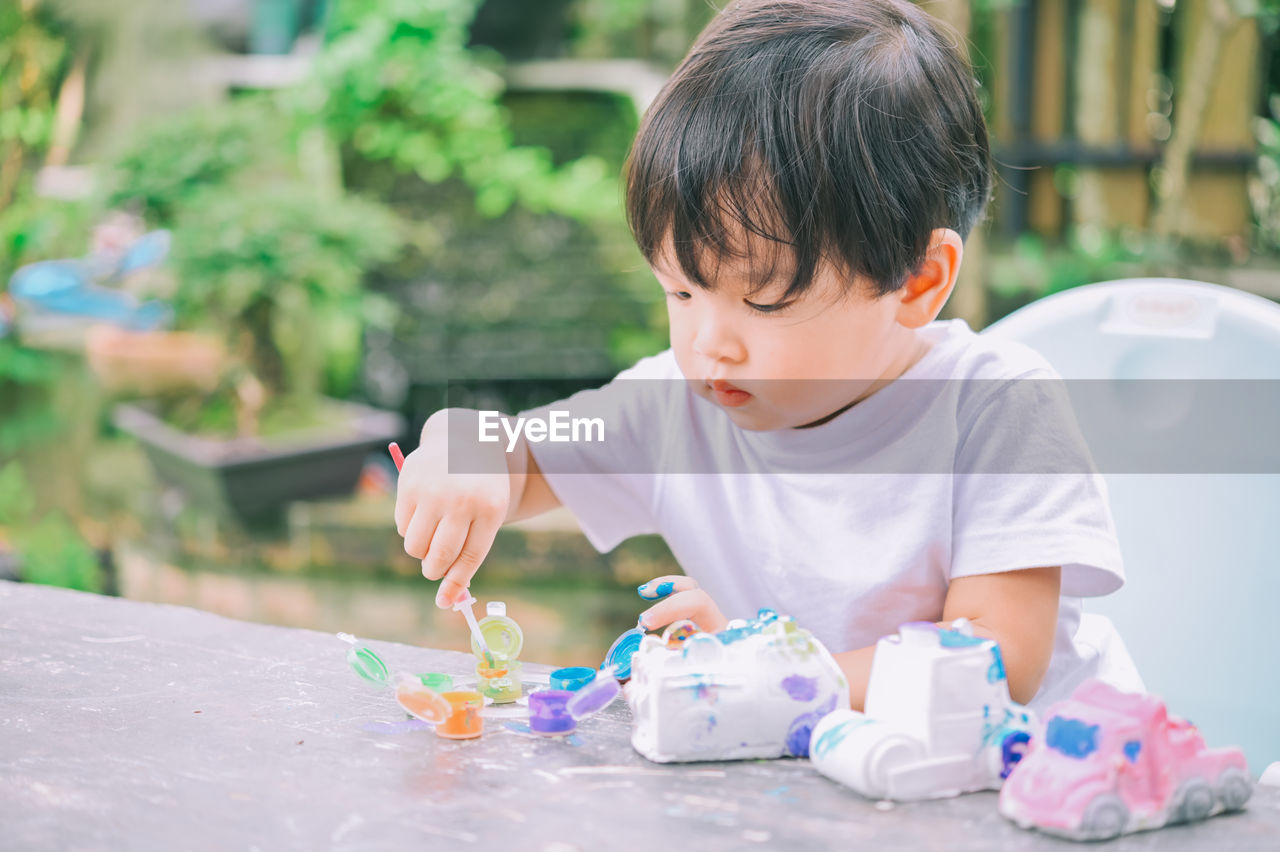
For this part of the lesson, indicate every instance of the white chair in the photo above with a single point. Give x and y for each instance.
(1200, 612)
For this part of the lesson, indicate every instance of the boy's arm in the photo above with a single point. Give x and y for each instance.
(1018, 609)
(530, 494)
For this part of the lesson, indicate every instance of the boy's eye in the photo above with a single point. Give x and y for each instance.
(682, 295)
(770, 309)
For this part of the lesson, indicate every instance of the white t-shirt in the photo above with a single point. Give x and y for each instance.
(965, 465)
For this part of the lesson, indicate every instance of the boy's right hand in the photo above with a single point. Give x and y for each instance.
(449, 520)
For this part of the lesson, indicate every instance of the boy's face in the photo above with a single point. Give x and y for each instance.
(779, 365)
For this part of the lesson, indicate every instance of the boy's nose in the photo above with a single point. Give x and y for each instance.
(717, 342)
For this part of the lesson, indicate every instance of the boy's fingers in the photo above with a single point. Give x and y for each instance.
(694, 604)
(446, 543)
(402, 516)
(408, 490)
(450, 592)
(659, 587)
(418, 534)
(405, 505)
(479, 540)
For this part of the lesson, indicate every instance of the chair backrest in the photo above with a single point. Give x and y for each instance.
(1201, 549)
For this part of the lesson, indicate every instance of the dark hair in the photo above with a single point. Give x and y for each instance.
(843, 130)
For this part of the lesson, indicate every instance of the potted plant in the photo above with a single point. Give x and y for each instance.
(273, 267)
(271, 249)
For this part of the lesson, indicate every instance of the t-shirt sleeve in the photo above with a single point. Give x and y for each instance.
(1027, 494)
(607, 473)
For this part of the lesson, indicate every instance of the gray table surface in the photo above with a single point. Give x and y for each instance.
(143, 726)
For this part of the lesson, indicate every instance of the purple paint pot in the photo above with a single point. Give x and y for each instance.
(556, 712)
(549, 713)
(595, 696)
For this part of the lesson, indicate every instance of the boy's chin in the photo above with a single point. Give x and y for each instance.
(751, 419)
(756, 418)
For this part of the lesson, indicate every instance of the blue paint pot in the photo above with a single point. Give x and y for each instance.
(572, 678)
(621, 652)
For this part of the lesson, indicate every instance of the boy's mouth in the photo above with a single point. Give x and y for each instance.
(727, 394)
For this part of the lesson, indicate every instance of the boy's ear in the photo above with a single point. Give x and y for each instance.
(922, 297)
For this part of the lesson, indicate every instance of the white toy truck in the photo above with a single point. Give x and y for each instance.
(753, 690)
(939, 720)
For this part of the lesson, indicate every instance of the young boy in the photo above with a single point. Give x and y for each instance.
(813, 441)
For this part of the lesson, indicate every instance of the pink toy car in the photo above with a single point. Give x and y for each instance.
(1107, 763)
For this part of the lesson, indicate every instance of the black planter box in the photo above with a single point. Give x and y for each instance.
(253, 479)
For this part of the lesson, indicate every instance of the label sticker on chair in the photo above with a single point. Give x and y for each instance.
(1161, 313)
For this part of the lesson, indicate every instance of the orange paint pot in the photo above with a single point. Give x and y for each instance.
(422, 702)
(465, 721)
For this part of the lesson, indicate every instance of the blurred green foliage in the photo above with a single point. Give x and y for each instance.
(1264, 185)
(33, 56)
(265, 257)
(49, 547)
(606, 19)
(397, 83)
(34, 228)
(284, 271)
(1033, 267)
(574, 124)
(27, 416)
(169, 165)
(518, 263)
(34, 53)
(272, 244)
(37, 448)
(518, 297)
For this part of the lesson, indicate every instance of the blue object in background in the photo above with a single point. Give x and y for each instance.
(63, 287)
(148, 250)
(67, 289)
(48, 279)
(274, 26)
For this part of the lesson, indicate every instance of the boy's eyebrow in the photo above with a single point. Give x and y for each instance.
(769, 269)
(660, 266)
(761, 276)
